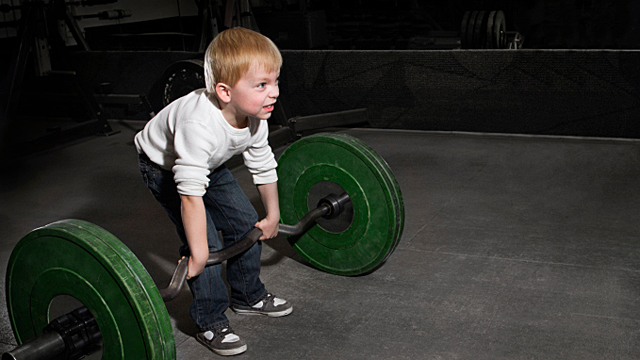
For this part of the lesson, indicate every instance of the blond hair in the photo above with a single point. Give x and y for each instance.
(232, 53)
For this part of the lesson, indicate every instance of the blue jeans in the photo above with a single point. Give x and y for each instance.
(229, 211)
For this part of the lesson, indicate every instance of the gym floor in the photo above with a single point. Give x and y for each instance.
(514, 247)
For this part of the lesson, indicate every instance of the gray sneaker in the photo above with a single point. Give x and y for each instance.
(270, 306)
(222, 341)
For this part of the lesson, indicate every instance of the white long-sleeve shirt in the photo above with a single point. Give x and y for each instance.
(191, 138)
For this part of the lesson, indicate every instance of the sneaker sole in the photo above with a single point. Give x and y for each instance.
(269, 314)
(224, 352)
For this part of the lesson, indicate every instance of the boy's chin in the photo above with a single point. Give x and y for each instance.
(264, 115)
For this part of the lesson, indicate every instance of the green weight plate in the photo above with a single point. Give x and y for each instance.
(392, 184)
(378, 211)
(389, 181)
(79, 259)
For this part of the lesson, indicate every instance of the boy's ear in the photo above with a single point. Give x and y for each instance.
(224, 92)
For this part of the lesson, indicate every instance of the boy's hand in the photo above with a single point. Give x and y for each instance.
(196, 267)
(269, 228)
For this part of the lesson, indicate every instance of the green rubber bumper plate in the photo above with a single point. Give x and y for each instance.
(79, 259)
(377, 217)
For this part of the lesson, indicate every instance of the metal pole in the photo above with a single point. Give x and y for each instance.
(46, 346)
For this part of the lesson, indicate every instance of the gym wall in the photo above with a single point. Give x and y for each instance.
(560, 92)
(556, 92)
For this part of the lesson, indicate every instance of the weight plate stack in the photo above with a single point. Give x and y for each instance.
(378, 210)
(79, 259)
(483, 30)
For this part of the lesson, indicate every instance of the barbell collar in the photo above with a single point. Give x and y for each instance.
(336, 204)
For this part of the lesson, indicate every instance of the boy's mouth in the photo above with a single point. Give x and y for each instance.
(268, 107)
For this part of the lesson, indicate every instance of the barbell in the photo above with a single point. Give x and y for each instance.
(348, 213)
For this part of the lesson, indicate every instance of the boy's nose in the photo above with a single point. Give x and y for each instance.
(275, 92)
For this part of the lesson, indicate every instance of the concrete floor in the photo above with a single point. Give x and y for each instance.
(513, 248)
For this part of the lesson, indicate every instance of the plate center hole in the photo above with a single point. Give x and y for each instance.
(321, 190)
(64, 304)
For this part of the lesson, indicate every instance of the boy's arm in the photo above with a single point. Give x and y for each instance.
(270, 224)
(195, 228)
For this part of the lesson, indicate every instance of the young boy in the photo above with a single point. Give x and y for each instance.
(181, 155)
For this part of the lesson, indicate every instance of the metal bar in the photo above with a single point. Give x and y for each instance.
(119, 99)
(305, 223)
(74, 28)
(45, 346)
(180, 274)
(340, 118)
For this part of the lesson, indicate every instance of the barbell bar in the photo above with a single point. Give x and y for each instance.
(329, 206)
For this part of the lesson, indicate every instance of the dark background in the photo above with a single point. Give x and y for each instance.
(578, 72)
(388, 24)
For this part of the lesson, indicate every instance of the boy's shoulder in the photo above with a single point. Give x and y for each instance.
(194, 97)
(191, 104)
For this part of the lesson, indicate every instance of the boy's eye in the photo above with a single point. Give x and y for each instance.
(262, 85)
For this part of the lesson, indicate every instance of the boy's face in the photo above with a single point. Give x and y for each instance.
(255, 93)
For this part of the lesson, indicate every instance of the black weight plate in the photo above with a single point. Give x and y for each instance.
(79, 259)
(181, 78)
(463, 30)
(470, 29)
(498, 36)
(479, 30)
(489, 34)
